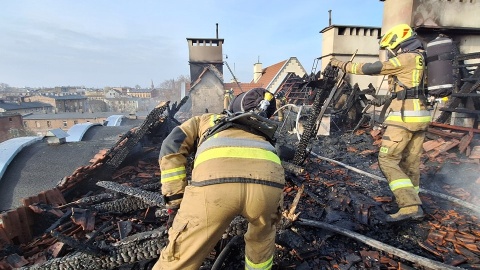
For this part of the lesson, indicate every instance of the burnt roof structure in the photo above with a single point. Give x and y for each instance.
(109, 215)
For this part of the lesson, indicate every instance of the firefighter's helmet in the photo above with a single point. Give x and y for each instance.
(395, 36)
(251, 100)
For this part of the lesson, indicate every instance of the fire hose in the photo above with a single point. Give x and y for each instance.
(430, 264)
(433, 193)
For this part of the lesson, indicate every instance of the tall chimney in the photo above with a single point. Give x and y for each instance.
(217, 30)
(329, 17)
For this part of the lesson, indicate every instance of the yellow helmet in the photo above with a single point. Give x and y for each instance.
(396, 35)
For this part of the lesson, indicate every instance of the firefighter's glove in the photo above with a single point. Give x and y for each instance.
(334, 62)
(284, 152)
(378, 101)
(171, 216)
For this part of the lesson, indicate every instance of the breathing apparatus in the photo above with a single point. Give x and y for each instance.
(263, 105)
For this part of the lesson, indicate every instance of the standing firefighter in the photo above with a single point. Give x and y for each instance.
(227, 98)
(236, 171)
(407, 120)
(281, 101)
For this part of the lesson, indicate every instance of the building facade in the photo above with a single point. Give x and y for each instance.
(342, 41)
(67, 103)
(140, 93)
(40, 124)
(11, 126)
(25, 107)
(206, 73)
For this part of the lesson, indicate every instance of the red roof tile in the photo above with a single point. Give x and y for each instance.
(268, 73)
(245, 87)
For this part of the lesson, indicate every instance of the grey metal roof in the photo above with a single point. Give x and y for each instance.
(114, 120)
(10, 148)
(66, 115)
(77, 131)
(58, 132)
(24, 105)
(68, 97)
(39, 166)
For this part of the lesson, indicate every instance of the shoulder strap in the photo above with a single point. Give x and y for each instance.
(249, 122)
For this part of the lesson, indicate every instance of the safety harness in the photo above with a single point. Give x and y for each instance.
(248, 121)
(417, 92)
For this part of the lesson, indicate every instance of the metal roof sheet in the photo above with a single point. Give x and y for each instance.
(114, 120)
(77, 131)
(11, 147)
(58, 132)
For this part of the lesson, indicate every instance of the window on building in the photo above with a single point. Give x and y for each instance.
(37, 124)
(10, 119)
(75, 122)
(25, 124)
(65, 124)
(49, 124)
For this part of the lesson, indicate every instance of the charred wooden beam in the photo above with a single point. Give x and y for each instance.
(123, 205)
(104, 227)
(79, 246)
(152, 198)
(321, 95)
(136, 248)
(59, 221)
(454, 102)
(425, 262)
(90, 199)
(124, 146)
(292, 168)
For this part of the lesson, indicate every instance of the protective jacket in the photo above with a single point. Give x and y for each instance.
(230, 156)
(407, 120)
(281, 101)
(235, 172)
(405, 79)
(227, 98)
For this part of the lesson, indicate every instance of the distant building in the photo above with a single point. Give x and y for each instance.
(67, 103)
(122, 104)
(95, 95)
(11, 126)
(113, 93)
(140, 93)
(25, 107)
(341, 42)
(40, 124)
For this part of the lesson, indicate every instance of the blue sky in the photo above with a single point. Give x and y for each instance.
(126, 43)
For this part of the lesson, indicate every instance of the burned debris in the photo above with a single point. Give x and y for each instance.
(110, 215)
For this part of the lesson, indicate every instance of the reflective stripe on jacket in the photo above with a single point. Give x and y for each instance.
(408, 68)
(230, 154)
(258, 266)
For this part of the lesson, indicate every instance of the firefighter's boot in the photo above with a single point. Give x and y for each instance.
(408, 212)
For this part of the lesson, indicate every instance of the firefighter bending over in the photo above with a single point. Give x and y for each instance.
(236, 171)
(408, 118)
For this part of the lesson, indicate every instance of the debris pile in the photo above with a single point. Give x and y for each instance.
(111, 215)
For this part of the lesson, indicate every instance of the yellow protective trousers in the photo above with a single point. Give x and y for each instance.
(399, 160)
(206, 212)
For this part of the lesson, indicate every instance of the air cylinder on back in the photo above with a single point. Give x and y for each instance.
(440, 53)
